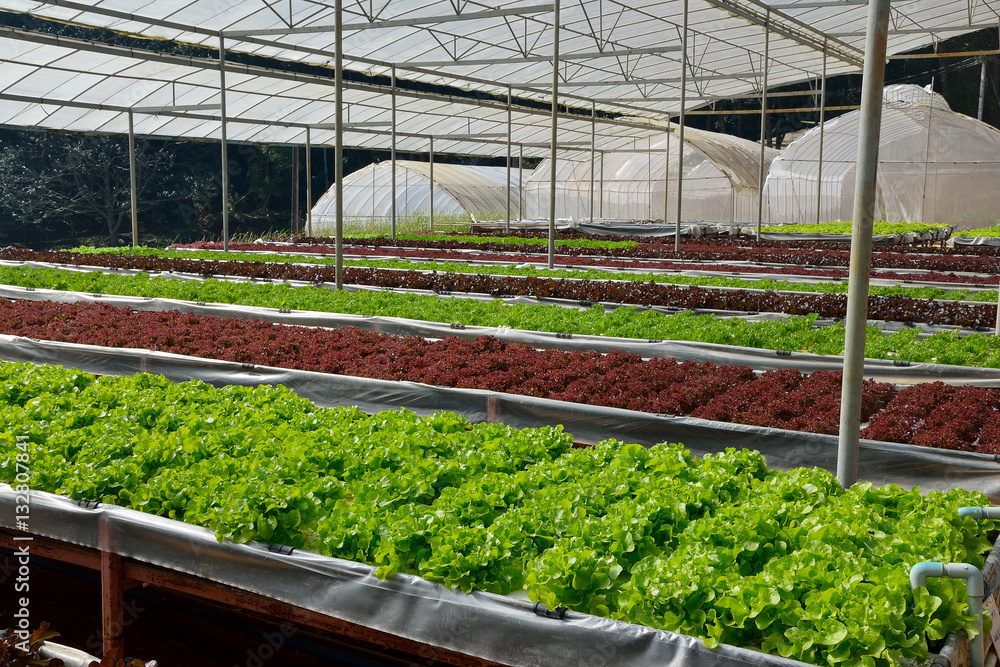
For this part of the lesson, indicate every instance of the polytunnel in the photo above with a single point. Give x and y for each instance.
(934, 165)
(460, 191)
(720, 181)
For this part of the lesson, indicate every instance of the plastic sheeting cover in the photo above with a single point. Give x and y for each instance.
(935, 165)
(881, 463)
(884, 239)
(630, 185)
(459, 191)
(975, 240)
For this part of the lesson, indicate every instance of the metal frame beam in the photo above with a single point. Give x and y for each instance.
(396, 23)
(708, 99)
(913, 31)
(814, 4)
(645, 82)
(176, 107)
(791, 28)
(592, 55)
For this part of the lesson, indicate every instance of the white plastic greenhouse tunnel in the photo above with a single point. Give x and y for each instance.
(935, 165)
(467, 192)
(720, 181)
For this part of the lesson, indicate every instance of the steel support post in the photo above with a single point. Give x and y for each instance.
(600, 192)
(927, 153)
(763, 122)
(982, 90)
(593, 148)
(392, 208)
(338, 151)
(309, 184)
(822, 131)
(680, 134)
(666, 175)
(432, 183)
(295, 190)
(555, 132)
(133, 192)
(507, 225)
(861, 241)
(520, 181)
(225, 146)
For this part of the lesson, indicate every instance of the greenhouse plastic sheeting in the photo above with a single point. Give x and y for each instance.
(880, 463)
(497, 628)
(934, 165)
(717, 171)
(462, 191)
(894, 371)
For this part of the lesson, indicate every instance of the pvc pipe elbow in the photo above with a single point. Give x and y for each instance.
(979, 512)
(973, 577)
(921, 571)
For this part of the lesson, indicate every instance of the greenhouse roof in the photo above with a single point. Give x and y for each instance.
(625, 56)
(75, 85)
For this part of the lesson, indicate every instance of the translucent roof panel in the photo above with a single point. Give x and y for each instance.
(263, 105)
(624, 54)
(935, 165)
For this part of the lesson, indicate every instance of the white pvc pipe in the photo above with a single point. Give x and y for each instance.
(919, 574)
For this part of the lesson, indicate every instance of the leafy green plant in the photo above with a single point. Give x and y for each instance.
(879, 227)
(793, 333)
(589, 274)
(989, 232)
(718, 547)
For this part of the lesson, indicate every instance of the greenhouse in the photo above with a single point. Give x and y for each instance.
(934, 166)
(720, 181)
(459, 192)
(497, 450)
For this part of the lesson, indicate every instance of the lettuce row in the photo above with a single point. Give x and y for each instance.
(720, 547)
